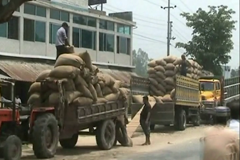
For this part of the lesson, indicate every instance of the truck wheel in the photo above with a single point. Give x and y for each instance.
(121, 135)
(106, 135)
(12, 148)
(196, 120)
(152, 127)
(70, 142)
(45, 136)
(182, 120)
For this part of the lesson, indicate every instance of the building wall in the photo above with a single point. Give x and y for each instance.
(35, 47)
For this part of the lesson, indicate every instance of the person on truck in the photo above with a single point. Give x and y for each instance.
(62, 39)
(183, 66)
(145, 119)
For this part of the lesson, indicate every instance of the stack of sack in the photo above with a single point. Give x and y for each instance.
(83, 82)
(194, 70)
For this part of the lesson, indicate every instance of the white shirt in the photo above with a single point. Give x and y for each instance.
(18, 101)
(61, 36)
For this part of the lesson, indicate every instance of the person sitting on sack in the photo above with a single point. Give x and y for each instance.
(62, 39)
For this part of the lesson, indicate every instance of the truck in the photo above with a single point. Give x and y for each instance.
(218, 95)
(183, 109)
(45, 126)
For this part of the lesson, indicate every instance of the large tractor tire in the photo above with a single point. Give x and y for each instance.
(45, 136)
(70, 142)
(121, 135)
(181, 120)
(106, 134)
(12, 148)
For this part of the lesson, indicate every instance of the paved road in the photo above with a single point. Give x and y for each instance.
(189, 150)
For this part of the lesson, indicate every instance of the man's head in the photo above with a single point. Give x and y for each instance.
(183, 57)
(65, 25)
(145, 99)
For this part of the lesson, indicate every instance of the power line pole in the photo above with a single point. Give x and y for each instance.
(168, 25)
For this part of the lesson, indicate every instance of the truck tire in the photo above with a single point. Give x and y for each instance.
(12, 148)
(152, 127)
(181, 120)
(122, 137)
(45, 136)
(196, 120)
(70, 142)
(106, 134)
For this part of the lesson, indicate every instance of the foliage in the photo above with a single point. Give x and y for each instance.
(235, 72)
(140, 61)
(211, 37)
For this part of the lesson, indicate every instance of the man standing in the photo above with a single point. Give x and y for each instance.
(145, 120)
(18, 101)
(62, 39)
(183, 66)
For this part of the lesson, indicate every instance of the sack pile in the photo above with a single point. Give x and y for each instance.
(84, 84)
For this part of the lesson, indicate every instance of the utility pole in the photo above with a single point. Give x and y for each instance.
(168, 25)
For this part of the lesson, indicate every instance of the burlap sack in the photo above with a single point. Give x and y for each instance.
(161, 88)
(190, 70)
(101, 83)
(106, 90)
(159, 68)
(152, 64)
(109, 81)
(173, 93)
(124, 92)
(34, 99)
(159, 99)
(161, 62)
(54, 98)
(189, 75)
(154, 76)
(84, 90)
(137, 99)
(166, 98)
(64, 72)
(151, 71)
(169, 88)
(82, 101)
(94, 80)
(170, 66)
(86, 74)
(178, 61)
(69, 85)
(71, 95)
(155, 91)
(69, 60)
(169, 73)
(86, 58)
(170, 81)
(153, 81)
(93, 92)
(98, 90)
(116, 86)
(35, 87)
(112, 96)
(78, 80)
(160, 75)
(94, 70)
(70, 49)
(170, 59)
(161, 81)
(102, 100)
(43, 75)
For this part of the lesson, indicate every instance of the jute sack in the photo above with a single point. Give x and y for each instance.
(178, 61)
(78, 80)
(70, 49)
(155, 91)
(151, 71)
(34, 99)
(98, 90)
(161, 81)
(154, 76)
(170, 66)
(169, 88)
(112, 96)
(43, 75)
(94, 80)
(84, 90)
(116, 86)
(169, 73)
(35, 87)
(137, 99)
(95, 70)
(82, 101)
(64, 72)
(166, 98)
(86, 74)
(102, 100)
(109, 81)
(161, 62)
(69, 85)
(189, 75)
(170, 59)
(54, 98)
(190, 69)
(69, 60)
(86, 58)
(71, 95)
(153, 81)
(170, 81)
(159, 99)
(93, 92)
(160, 75)
(124, 92)
(102, 84)
(51, 83)
(160, 68)
(161, 88)
(173, 93)
(152, 63)
(106, 90)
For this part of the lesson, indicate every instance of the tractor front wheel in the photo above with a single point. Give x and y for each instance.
(12, 148)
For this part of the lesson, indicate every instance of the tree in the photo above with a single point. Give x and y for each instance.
(140, 61)
(7, 10)
(211, 37)
(234, 73)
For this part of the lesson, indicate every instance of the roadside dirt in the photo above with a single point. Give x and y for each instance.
(87, 149)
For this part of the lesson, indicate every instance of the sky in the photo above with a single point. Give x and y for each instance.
(151, 31)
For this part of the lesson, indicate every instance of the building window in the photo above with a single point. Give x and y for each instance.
(84, 38)
(123, 45)
(106, 42)
(84, 20)
(53, 30)
(123, 29)
(34, 10)
(59, 15)
(103, 24)
(34, 31)
(5, 2)
(10, 29)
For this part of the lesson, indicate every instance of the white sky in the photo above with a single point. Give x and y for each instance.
(151, 31)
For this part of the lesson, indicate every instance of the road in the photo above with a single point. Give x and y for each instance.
(188, 150)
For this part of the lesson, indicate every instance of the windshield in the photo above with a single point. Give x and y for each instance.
(207, 86)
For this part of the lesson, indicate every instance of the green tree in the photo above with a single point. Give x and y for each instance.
(211, 37)
(140, 61)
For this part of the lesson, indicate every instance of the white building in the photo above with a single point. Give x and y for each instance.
(226, 71)
(32, 29)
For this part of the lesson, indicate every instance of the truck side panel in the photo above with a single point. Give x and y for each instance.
(231, 88)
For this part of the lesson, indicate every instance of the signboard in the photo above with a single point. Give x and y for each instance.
(94, 2)
(76, 3)
(123, 15)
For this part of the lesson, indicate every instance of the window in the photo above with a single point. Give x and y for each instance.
(84, 20)
(53, 30)
(34, 10)
(106, 42)
(123, 29)
(106, 25)
(59, 15)
(34, 31)
(84, 38)
(218, 86)
(4, 2)
(123, 45)
(10, 29)
(207, 86)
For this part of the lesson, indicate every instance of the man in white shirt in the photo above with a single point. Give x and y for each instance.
(17, 101)
(62, 39)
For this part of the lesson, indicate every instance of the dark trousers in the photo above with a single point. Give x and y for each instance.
(60, 50)
(145, 127)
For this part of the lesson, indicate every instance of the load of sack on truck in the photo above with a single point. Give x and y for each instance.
(84, 83)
